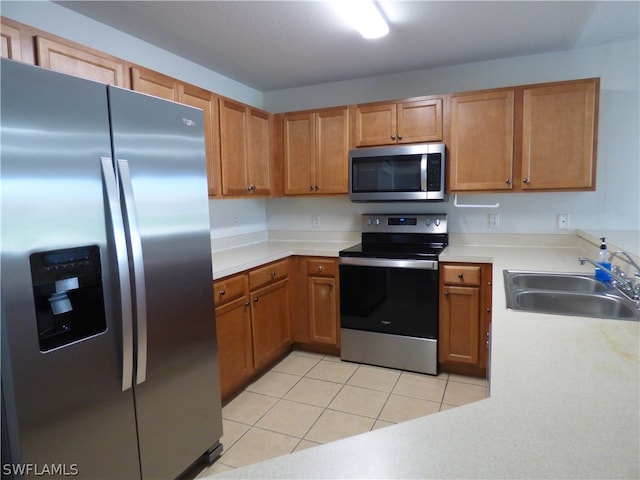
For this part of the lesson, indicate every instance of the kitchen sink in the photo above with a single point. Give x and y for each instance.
(571, 303)
(558, 281)
(573, 294)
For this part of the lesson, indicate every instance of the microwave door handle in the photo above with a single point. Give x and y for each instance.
(423, 173)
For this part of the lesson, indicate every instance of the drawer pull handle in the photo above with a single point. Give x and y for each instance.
(460, 275)
(222, 292)
(320, 268)
(273, 274)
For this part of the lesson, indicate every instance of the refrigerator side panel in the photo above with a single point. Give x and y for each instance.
(160, 148)
(61, 346)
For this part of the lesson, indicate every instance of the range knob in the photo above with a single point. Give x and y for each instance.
(428, 222)
(378, 222)
(437, 222)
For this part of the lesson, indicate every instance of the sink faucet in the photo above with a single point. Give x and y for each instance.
(623, 284)
(629, 259)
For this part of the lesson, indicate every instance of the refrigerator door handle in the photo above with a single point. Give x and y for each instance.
(117, 223)
(135, 247)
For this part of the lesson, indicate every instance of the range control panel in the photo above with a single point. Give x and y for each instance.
(410, 223)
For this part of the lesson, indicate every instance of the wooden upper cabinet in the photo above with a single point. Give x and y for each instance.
(559, 135)
(316, 151)
(154, 83)
(529, 138)
(299, 152)
(245, 149)
(481, 144)
(208, 103)
(404, 122)
(10, 38)
(79, 61)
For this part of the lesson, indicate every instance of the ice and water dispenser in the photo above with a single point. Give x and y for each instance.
(67, 289)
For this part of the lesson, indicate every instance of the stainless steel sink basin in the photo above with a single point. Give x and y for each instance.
(572, 294)
(581, 304)
(558, 281)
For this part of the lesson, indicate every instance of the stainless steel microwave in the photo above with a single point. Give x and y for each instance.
(397, 173)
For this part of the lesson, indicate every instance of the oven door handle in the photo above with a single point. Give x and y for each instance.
(390, 263)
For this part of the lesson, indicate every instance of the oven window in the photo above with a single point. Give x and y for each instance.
(399, 173)
(398, 301)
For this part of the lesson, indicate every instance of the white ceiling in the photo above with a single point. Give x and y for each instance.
(271, 45)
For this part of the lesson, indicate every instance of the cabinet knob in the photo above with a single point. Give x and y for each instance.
(222, 292)
(255, 299)
(251, 188)
(393, 136)
(311, 188)
(320, 268)
(488, 311)
(399, 136)
(460, 276)
(246, 304)
(446, 293)
(527, 181)
(508, 181)
(316, 188)
(273, 274)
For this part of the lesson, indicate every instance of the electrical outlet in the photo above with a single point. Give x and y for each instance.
(563, 221)
(494, 220)
(315, 221)
(235, 223)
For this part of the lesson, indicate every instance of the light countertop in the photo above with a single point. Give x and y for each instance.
(564, 402)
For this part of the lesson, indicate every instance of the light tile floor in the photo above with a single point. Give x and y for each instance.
(309, 399)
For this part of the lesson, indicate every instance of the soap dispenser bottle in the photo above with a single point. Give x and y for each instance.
(603, 259)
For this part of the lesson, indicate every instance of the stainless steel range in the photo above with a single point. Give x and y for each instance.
(389, 292)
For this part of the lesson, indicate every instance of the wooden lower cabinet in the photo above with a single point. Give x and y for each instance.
(465, 316)
(270, 320)
(315, 311)
(252, 320)
(235, 350)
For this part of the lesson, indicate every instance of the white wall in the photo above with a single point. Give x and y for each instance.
(614, 205)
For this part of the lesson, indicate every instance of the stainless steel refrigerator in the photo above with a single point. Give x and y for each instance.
(109, 357)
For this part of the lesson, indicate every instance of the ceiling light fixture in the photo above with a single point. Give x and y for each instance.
(363, 15)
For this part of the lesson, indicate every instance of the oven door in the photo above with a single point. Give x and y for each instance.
(392, 296)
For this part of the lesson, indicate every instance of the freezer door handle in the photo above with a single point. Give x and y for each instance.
(135, 248)
(117, 223)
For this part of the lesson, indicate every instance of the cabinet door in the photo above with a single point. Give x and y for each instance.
(259, 152)
(420, 121)
(270, 317)
(375, 124)
(80, 62)
(323, 311)
(299, 145)
(235, 350)
(459, 326)
(153, 83)
(481, 145)
(559, 136)
(208, 102)
(10, 46)
(233, 147)
(332, 151)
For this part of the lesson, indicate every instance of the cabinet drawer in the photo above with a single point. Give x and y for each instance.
(229, 289)
(461, 275)
(321, 267)
(268, 274)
